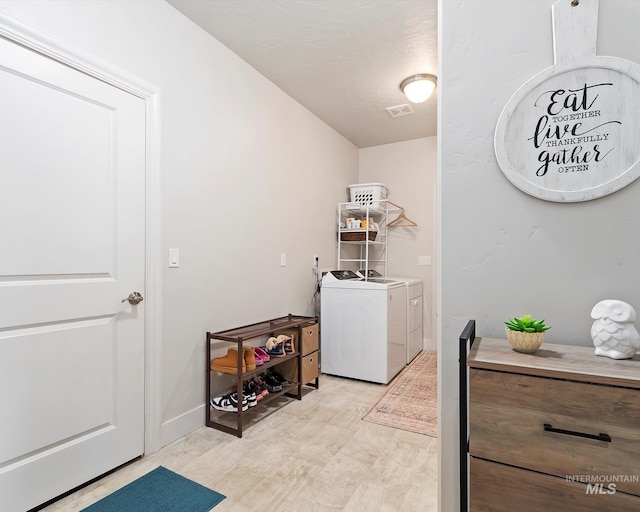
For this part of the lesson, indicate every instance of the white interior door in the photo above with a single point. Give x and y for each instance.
(72, 218)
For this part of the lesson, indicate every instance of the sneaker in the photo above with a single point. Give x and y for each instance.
(261, 388)
(249, 392)
(228, 403)
(273, 385)
(279, 378)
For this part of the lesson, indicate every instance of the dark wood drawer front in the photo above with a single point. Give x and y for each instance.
(499, 488)
(508, 413)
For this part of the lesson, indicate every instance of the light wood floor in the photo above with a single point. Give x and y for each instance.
(310, 455)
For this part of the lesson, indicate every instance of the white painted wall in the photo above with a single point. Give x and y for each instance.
(408, 169)
(247, 174)
(503, 252)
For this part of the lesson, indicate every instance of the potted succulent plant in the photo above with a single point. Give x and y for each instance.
(525, 333)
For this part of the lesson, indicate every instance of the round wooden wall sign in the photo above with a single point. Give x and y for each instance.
(571, 132)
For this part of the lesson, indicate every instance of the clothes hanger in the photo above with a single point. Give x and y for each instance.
(400, 218)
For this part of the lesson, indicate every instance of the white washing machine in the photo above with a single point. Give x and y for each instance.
(363, 325)
(415, 313)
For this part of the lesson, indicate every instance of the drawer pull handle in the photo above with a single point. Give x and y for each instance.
(598, 437)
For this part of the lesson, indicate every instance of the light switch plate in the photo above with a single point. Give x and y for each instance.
(174, 258)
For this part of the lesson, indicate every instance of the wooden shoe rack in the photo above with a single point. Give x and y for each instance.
(302, 325)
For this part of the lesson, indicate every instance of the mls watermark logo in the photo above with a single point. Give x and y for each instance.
(602, 484)
(601, 489)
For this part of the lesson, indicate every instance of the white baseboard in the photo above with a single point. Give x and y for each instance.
(180, 426)
(429, 345)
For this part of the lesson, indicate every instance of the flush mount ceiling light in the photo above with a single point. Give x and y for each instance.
(418, 88)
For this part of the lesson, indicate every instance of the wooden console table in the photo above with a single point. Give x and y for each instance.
(558, 429)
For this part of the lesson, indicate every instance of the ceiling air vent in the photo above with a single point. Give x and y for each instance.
(400, 110)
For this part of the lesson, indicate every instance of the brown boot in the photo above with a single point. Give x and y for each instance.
(249, 357)
(228, 363)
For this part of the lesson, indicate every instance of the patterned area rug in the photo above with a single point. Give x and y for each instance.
(411, 403)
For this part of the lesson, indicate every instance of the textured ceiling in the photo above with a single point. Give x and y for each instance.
(341, 59)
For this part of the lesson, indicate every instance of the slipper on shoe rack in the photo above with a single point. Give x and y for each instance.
(261, 354)
(288, 347)
(259, 359)
(276, 351)
(274, 348)
(286, 342)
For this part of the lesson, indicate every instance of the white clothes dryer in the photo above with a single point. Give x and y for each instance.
(413, 287)
(363, 325)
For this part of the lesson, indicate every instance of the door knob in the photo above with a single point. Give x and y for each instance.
(133, 298)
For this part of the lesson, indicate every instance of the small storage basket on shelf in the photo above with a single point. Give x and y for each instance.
(368, 194)
(358, 236)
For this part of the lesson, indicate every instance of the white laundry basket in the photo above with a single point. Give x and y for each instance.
(368, 194)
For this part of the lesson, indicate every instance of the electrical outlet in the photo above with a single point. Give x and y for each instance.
(283, 260)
